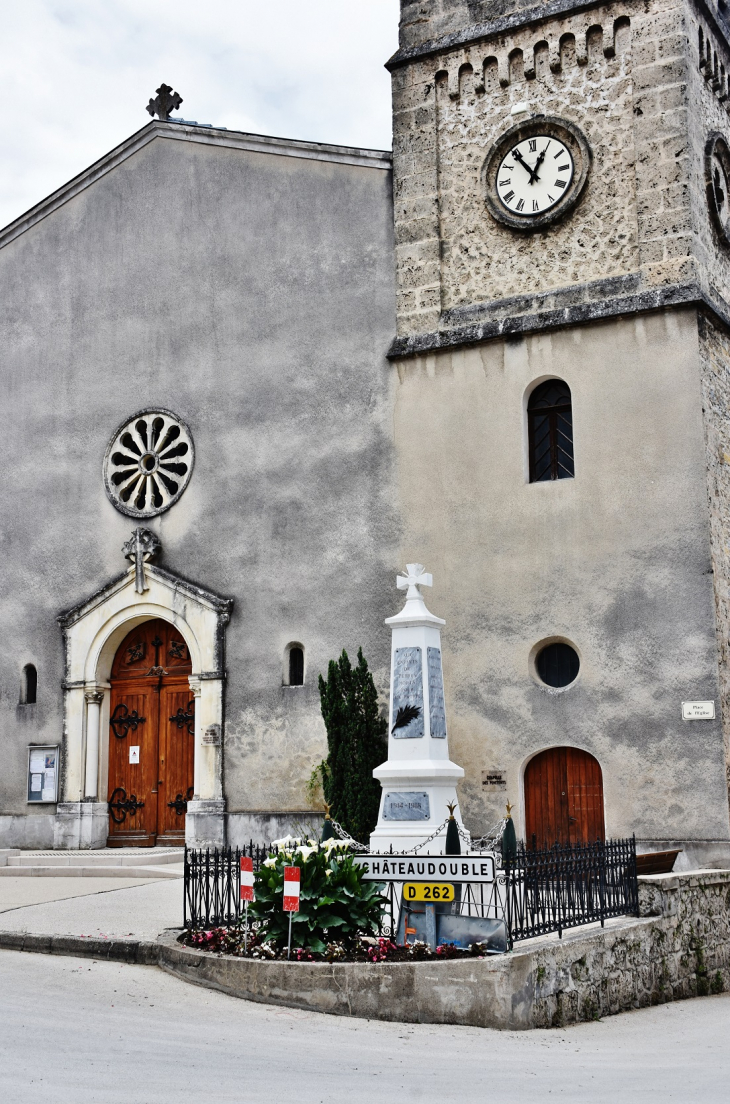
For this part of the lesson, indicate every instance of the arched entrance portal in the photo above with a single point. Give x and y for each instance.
(563, 798)
(151, 737)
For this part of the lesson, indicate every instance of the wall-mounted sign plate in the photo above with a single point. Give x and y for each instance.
(698, 711)
(134, 755)
(494, 779)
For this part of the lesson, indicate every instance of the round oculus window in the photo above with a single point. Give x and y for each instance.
(148, 463)
(557, 665)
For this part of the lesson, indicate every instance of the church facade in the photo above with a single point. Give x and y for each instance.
(246, 380)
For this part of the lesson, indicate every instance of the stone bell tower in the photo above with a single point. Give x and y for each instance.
(561, 184)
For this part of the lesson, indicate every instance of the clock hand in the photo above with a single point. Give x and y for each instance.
(539, 162)
(518, 157)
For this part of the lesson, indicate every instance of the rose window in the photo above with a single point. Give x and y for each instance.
(148, 463)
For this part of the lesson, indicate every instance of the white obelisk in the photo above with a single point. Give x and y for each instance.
(418, 780)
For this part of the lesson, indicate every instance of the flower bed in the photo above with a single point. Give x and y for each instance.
(233, 941)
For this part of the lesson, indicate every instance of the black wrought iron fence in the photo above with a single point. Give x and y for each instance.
(535, 892)
(212, 884)
(565, 887)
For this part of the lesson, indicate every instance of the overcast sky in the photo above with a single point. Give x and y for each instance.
(76, 75)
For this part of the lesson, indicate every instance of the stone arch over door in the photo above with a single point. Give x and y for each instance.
(92, 634)
(563, 791)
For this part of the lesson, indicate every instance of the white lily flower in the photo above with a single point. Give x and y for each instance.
(286, 843)
(270, 862)
(305, 852)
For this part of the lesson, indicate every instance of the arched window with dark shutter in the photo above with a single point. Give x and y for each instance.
(296, 665)
(29, 685)
(550, 432)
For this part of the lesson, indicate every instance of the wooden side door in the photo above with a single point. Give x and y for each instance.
(133, 755)
(563, 798)
(585, 797)
(177, 757)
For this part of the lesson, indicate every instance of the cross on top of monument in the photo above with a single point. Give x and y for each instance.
(414, 578)
(165, 102)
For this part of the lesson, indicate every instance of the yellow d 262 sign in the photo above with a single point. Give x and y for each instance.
(427, 891)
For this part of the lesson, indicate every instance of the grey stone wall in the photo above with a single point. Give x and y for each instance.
(684, 952)
(616, 561)
(715, 368)
(251, 292)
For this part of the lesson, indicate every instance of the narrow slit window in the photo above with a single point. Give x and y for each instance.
(550, 432)
(296, 666)
(29, 688)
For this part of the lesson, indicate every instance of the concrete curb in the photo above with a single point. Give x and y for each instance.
(140, 951)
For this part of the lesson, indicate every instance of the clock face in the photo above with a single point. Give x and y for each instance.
(534, 175)
(718, 185)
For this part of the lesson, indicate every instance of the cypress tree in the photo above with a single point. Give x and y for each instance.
(356, 744)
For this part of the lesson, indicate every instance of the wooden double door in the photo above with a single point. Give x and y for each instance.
(151, 738)
(563, 798)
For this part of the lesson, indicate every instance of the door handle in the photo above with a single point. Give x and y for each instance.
(573, 820)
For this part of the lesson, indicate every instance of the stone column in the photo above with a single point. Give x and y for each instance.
(205, 819)
(94, 699)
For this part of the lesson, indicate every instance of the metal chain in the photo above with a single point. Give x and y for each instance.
(487, 842)
(355, 844)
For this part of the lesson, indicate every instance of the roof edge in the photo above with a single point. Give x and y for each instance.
(187, 132)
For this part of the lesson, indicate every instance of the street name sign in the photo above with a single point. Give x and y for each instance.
(406, 868)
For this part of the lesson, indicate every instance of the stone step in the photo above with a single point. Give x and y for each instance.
(7, 853)
(95, 871)
(109, 857)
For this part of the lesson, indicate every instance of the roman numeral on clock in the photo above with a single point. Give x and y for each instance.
(533, 145)
(509, 196)
(560, 183)
(535, 205)
(520, 205)
(505, 183)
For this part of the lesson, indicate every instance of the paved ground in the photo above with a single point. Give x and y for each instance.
(90, 906)
(104, 1032)
(16, 893)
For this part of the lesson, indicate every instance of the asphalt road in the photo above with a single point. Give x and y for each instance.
(77, 1030)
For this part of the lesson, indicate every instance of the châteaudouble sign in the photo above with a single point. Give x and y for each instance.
(404, 868)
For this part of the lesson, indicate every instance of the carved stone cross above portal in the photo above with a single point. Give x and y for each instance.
(414, 578)
(142, 547)
(165, 101)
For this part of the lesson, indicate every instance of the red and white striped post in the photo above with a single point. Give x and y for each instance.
(292, 879)
(246, 892)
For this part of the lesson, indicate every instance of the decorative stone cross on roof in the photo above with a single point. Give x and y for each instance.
(164, 102)
(144, 545)
(414, 578)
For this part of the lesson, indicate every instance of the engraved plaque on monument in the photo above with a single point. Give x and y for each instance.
(406, 806)
(408, 691)
(437, 709)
